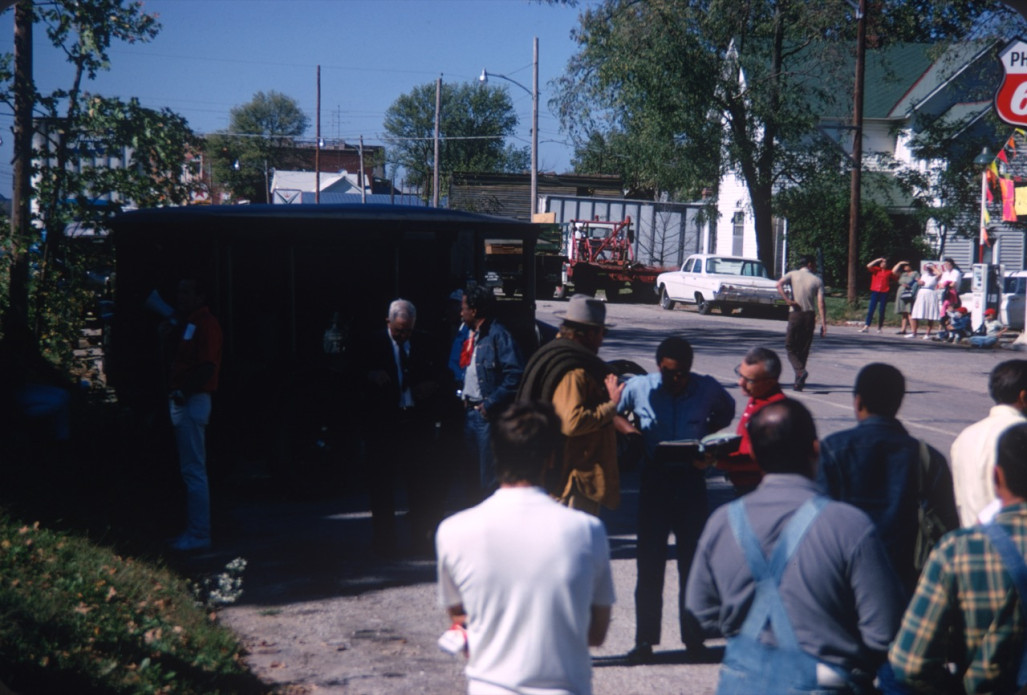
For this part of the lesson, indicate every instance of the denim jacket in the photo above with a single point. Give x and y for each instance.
(499, 365)
(873, 467)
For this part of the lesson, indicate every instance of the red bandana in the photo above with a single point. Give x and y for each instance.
(467, 351)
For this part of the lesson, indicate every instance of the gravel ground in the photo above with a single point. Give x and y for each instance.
(321, 615)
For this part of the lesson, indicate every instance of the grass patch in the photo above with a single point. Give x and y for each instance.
(839, 311)
(77, 618)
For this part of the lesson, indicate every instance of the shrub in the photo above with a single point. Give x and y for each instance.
(76, 617)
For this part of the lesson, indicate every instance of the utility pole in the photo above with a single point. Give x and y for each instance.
(857, 151)
(534, 131)
(317, 144)
(363, 185)
(435, 173)
(22, 162)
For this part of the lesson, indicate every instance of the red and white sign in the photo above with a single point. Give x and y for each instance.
(1011, 98)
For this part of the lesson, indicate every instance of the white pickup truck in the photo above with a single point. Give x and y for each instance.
(725, 282)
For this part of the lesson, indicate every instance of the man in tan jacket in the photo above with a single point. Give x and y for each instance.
(584, 392)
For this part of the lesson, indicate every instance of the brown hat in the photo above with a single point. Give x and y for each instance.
(586, 311)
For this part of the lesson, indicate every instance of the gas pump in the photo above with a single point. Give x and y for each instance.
(986, 286)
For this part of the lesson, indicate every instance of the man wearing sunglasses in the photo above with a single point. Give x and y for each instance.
(673, 404)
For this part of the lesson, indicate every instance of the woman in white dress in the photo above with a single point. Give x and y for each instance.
(926, 306)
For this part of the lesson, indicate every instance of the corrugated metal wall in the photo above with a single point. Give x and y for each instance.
(665, 233)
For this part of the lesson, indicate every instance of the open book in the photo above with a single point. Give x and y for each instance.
(718, 445)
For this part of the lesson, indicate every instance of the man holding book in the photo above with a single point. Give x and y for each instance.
(671, 405)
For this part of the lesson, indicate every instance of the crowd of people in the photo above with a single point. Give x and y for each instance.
(929, 301)
(824, 575)
(864, 562)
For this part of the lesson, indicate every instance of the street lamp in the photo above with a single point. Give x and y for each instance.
(983, 160)
(267, 184)
(484, 78)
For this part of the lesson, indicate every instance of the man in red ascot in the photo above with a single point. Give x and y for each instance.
(758, 376)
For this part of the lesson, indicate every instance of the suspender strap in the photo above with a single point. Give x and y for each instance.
(767, 604)
(1017, 569)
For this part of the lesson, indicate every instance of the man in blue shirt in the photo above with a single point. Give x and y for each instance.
(672, 404)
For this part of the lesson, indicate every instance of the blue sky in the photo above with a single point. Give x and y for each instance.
(212, 55)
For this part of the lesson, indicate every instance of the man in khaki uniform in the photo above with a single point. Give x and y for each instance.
(807, 293)
(584, 392)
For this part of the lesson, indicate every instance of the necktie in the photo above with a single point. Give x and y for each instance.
(404, 366)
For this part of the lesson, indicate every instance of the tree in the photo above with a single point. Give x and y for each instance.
(818, 220)
(474, 122)
(719, 85)
(261, 134)
(71, 118)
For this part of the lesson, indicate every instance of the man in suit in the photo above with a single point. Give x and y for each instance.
(400, 393)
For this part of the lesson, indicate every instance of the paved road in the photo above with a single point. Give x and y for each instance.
(322, 616)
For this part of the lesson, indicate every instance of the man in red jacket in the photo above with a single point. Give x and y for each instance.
(758, 376)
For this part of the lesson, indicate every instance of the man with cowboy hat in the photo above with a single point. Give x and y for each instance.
(568, 373)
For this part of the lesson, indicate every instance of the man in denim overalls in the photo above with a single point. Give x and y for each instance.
(800, 586)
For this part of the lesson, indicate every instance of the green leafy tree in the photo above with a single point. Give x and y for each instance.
(261, 136)
(70, 121)
(818, 222)
(663, 77)
(475, 120)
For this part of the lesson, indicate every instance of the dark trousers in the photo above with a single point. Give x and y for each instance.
(670, 499)
(799, 339)
(878, 300)
(404, 454)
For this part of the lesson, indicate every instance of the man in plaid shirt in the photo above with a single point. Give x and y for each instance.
(965, 621)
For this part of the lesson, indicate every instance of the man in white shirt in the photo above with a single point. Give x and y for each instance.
(529, 578)
(973, 452)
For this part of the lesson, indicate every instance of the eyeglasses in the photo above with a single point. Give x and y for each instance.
(748, 380)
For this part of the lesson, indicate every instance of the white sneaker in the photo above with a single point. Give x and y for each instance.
(909, 335)
(864, 329)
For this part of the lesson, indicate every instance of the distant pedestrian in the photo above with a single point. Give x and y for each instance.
(950, 276)
(800, 586)
(529, 579)
(807, 294)
(880, 285)
(879, 468)
(963, 632)
(906, 295)
(926, 306)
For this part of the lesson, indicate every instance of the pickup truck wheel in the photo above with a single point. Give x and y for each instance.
(665, 301)
(702, 305)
